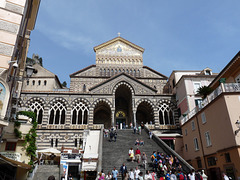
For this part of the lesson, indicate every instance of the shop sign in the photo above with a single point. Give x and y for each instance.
(12, 155)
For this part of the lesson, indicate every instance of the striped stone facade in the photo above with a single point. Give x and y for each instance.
(117, 90)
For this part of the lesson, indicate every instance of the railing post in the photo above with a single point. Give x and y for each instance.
(223, 88)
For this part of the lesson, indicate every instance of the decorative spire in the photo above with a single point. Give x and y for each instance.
(119, 34)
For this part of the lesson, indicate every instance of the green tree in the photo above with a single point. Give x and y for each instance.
(204, 91)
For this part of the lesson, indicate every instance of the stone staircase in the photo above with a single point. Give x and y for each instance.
(116, 153)
(44, 171)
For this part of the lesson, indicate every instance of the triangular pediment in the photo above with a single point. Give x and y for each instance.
(118, 47)
(138, 87)
(118, 40)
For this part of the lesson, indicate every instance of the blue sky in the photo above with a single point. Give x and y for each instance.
(176, 35)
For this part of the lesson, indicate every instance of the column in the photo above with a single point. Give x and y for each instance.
(134, 118)
(90, 118)
(113, 117)
(67, 118)
(156, 118)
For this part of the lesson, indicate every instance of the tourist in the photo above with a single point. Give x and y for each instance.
(153, 175)
(191, 175)
(180, 175)
(141, 142)
(100, 176)
(111, 135)
(108, 176)
(70, 177)
(126, 175)
(114, 173)
(115, 136)
(150, 135)
(167, 176)
(138, 155)
(140, 176)
(103, 173)
(176, 162)
(139, 130)
(131, 154)
(172, 175)
(225, 177)
(123, 170)
(171, 160)
(63, 177)
(137, 142)
(51, 178)
(144, 160)
(134, 130)
(147, 176)
(142, 125)
(131, 125)
(131, 174)
(198, 176)
(136, 173)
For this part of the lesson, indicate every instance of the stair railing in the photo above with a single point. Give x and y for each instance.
(99, 166)
(186, 167)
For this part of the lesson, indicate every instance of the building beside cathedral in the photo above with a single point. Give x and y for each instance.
(117, 90)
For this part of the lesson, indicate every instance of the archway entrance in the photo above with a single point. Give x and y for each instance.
(145, 113)
(102, 114)
(123, 105)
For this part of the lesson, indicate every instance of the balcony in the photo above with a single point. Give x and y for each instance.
(228, 87)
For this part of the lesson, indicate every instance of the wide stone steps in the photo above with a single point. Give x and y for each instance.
(116, 153)
(44, 171)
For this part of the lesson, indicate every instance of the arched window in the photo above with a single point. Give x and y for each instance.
(33, 82)
(39, 82)
(45, 83)
(38, 109)
(134, 72)
(166, 115)
(57, 114)
(27, 82)
(80, 114)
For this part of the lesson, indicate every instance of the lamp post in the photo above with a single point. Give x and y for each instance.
(14, 94)
(238, 126)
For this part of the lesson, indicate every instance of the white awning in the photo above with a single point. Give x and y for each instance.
(89, 166)
(50, 150)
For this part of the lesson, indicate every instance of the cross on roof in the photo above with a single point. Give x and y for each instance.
(119, 34)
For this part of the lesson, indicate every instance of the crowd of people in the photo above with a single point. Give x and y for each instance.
(162, 166)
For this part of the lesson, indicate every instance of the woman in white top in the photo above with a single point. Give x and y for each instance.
(147, 176)
(108, 176)
(131, 154)
(131, 174)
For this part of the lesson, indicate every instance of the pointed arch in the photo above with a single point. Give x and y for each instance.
(166, 113)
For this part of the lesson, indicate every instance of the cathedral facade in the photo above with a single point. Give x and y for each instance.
(118, 89)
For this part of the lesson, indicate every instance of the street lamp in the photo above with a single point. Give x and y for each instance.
(238, 126)
(30, 70)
